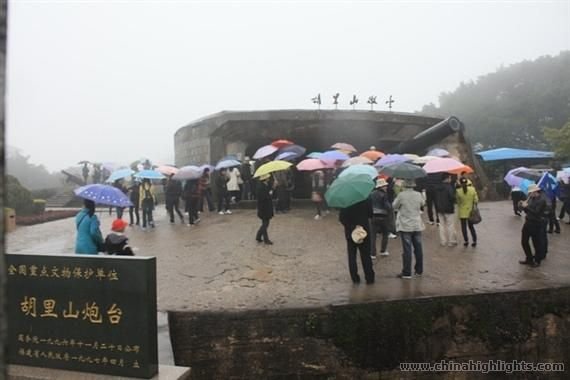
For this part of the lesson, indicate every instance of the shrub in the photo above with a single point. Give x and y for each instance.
(18, 197)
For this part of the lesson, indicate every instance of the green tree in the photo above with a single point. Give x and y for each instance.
(18, 197)
(559, 139)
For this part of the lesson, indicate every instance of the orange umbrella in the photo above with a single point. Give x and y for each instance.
(372, 154)
(281, 143)
(465, 168)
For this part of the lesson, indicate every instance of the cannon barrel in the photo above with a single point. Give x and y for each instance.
(73, 178)
(434, 134)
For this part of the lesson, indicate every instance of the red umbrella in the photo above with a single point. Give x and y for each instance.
(281, 143)
(372, 154)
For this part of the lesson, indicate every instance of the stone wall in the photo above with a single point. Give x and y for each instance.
(368, 341)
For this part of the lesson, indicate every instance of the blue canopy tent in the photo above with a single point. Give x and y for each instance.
(513, 154)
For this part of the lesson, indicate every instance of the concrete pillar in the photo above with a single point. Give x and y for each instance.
(3, 316)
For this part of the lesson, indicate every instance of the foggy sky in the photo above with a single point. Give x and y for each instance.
(113, 80)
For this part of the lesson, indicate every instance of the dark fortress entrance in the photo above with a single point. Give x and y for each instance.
(242, 133)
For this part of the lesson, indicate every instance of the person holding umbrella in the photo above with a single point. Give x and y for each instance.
(89, 239)
(382, 211)
(204, 183)
(264, 208)
(134, 196)
(147, 201)
(536, 208)
(409, 204)
(172, 194)
(467, 199)
(445, 206)
(222, 192)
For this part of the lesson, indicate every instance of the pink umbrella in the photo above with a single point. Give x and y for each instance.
(265, 151)
(167, 169)
(344, 146)
(440, 165)
(311, 164)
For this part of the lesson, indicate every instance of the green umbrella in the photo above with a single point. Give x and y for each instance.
(403, 170)
(348, 190)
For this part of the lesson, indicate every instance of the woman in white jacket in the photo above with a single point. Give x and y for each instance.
(233, 184)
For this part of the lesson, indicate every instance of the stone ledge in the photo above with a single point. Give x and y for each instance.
(20, 372)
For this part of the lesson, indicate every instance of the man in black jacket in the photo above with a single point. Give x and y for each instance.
(358, 214)
(430, 185)
(172, 194)
(445, 207)
(536, 208)
(264, 208)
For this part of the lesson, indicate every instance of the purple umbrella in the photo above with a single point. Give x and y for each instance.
(334, 155)
(390, 159)
(515, 177)
(298, 149)
(265, 151)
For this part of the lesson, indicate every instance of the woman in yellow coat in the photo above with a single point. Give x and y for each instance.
(466, 197)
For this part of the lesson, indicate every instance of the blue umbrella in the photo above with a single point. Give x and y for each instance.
(104, 195)
(314, 155)
(359, 169)
(224, 164)
(287, 156)
(524, 184)
(334, 155)
(297, 149)
(548, 184)
(390, 159)
(149, 174)
(119, 174)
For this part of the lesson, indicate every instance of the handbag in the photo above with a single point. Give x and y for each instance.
(475, 215)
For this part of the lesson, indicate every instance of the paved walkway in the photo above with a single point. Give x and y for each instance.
(218, 265)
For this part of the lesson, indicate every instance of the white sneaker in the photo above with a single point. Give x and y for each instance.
(384, 253)
(392, 236)
(197, 221)
(228, 212)
(221, 213)
(373, 257)
(317, 217)
(431, 223)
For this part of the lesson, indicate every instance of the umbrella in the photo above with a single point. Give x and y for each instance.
(206, 166)
(188, 172)
(83, 162)
(372, 154)
(524, 184)
(230, 157)
(464, 169)
(311, 164)
(348, 190)
(548, 184)
(438, 152)
(391, 159)
(411, 156)
(298, 149)
(281, 143)
(272, 166)
(167, 169)
(360, 169)
(287, 156)
(149, 174)
(333, 155)
(344, 146)
(442, 165)
(516, 176)
(403, 170)
(424, 160)
(357, 161)
(119, 174)
(103, 195)
(265, 151)
(563, 176)
(314, 155)
(224, 164)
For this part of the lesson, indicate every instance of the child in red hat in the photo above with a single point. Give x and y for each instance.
(116, 243)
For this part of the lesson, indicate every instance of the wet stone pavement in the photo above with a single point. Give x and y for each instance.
(218, 265)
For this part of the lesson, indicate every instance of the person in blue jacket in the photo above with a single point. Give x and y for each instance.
(89, 238)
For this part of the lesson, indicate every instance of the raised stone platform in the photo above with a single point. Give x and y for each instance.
(19, 372)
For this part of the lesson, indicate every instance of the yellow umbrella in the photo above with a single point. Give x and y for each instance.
(272, 166)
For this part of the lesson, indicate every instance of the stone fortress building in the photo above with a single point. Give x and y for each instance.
(241, 133)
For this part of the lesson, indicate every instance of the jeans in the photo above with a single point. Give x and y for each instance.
(192, 209)
(553, 223)
(364, 249)
(534, 231)
(430, 203)
(464, 223)
(447, 233)
(409, 240)
(171, 206)
(223, 201)
(246, 190)
(147, 216)
(379, 225)
(134, 208)
(262, 232)
(565, 209)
